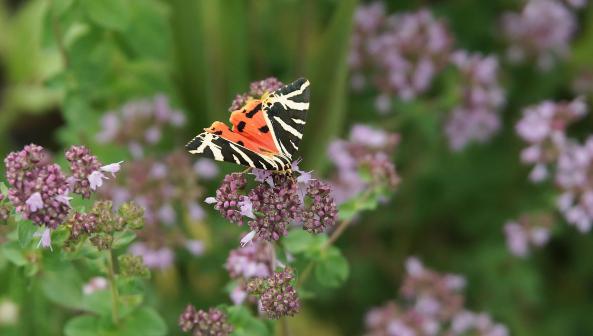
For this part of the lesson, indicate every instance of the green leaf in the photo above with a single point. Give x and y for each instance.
(142, 322)
(122, 239)
(332, 270)
(111, 14)
(355, 205)
(245, 324)
(12, 252)
(64, 288)
(26, 229)
(85, 325)
(298, 241)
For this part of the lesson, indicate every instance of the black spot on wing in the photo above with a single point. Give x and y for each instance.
(264, 129)
(218, 132)
(241, 126)
(240, 143)
(254, 111)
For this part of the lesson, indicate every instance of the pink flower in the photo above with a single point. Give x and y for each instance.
(34, 202)
(246, 207)
(238, 295)
(94, 285)
(206, 169)
(195, 247)
(64, 198)
(45, 240)
(248, 238)
(96, 179)
(112, 168)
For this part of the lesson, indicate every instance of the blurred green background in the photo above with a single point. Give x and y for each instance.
(64, 63)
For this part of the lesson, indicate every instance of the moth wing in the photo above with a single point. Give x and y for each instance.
(220, 149)
(286, 114)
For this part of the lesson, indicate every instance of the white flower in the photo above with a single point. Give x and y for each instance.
(112, 168)
(96, 179)
(45, 240)
(246, 207)
(35, 202)
(210, 200)
(248, 238)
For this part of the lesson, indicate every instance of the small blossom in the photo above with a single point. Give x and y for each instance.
(322, 213)
(82, 165)
(246, 207)
(112, 168)
(210, 200)
(530, 230)
(45, 240)
(133, 266)
(228, 196)
(34, 202)
(160, 258)
(238, 295)
(254, 260)
(206, 169)
(248, 238)
(64, 198)
(96, 179)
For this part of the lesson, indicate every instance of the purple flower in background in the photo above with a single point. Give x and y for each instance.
(367, 150)
(159, 258)
(195, 247)
(94, 285)
(206, 169)
(399, 54)
(254, 260)
(528, 231)
(431, 304)
(541, 31)
(36, 186)
(476, 118)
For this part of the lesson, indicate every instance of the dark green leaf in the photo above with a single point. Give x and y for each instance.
(245, 324)
(111, 14)
(332, 270)
(13, 253)
(26, 229)
(83, 326)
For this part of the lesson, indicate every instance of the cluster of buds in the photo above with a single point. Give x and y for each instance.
(277, 201)
(529, 230)
(363, 162)
(477, 117)
(205, 323)
(277, 296)
(101, 222)
(542, 32)
(256, 90)
(400, 54)
(133, 266)
(433, 305)
(4, 208)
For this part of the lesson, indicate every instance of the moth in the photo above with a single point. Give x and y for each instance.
(265, 132)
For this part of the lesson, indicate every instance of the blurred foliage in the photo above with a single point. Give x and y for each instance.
(64, 63)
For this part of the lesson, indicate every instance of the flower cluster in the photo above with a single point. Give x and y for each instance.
(477, 117)
(38, 188)
(363, 161)
(529, 230)
(139, 123)
(155, 258)
(277, 201)
(543, 127)
(256, 90)
(277, 297)
(432, 305)
(202, 323)
(400, 54)
(541, 31)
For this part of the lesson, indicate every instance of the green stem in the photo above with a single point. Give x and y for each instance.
(57, 32)
(113, 285)
(285, 328)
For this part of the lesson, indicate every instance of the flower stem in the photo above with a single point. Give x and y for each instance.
(113, 285)
(284, 326)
